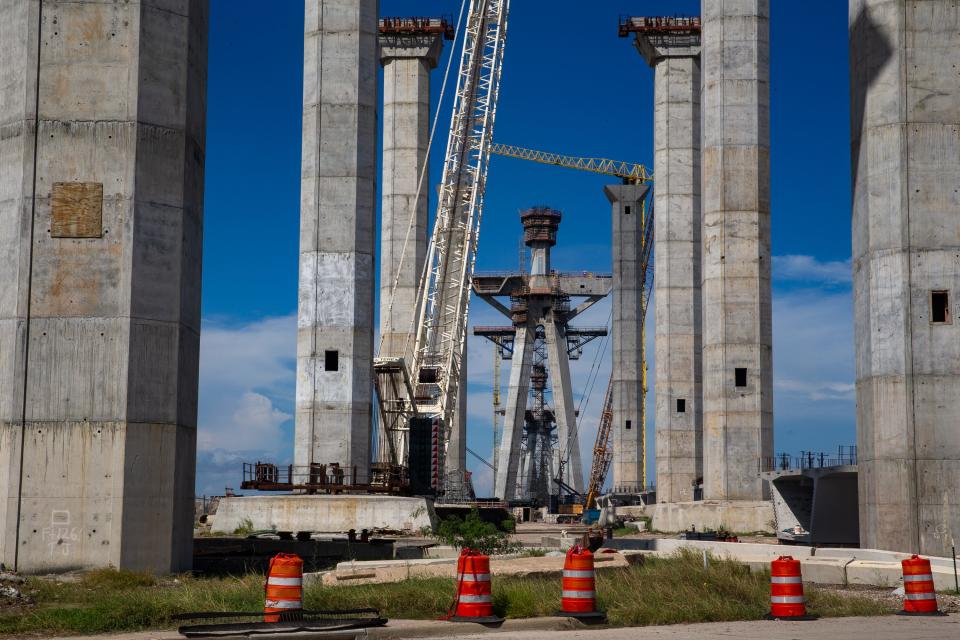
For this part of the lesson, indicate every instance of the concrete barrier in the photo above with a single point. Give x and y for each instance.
(825, 570)
(734, 550)
(738, 516)
(872, 572)
(324, 514)
(384, 571)
(873, 567)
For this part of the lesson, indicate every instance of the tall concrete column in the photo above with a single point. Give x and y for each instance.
(677, 300)
(102, 121)
(407, 60)
(627, 321)
(337, 235)
(905, 110)
(737, 332)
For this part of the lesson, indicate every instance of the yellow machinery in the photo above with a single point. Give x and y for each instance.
(630, 173)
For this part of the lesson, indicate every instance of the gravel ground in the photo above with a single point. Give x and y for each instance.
(948, 603)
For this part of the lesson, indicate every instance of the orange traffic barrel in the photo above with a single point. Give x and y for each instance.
(787, 601)
(474, 598)
(919, 596)
(579, 591)
(284, 588)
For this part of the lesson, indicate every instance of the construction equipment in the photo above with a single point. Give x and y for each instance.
(425, 382)
(602, 455)
(630, 173)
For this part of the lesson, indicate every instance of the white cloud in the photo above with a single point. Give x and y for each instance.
(254, 425)
(247, 378)
(809, 269)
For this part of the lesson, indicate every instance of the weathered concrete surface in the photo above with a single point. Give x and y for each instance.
(677, 299)
(324, 513)
(407, 61)
(734, 515)
(737, 329)
(628, 376)
(337, 235)
(905, 113)
(380, 571)
(99, 335)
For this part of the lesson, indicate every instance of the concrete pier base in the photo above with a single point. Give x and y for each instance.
(101, 215)
(739, 516)
(324, 514)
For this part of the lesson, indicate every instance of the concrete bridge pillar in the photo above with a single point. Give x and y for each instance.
(905, 102)
(102, 134)
(337, 236)
(737, 323)
(677, 300)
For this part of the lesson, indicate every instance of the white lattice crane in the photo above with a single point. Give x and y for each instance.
(425, 382)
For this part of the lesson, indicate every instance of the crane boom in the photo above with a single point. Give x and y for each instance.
(425, 381)
(630, 171)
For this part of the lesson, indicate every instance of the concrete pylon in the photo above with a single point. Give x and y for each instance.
(675, 60)
(627, 323)
(407, 59)
(737, 329)
(337, 236)
(102, 124)
(905, 106)
(563, 403)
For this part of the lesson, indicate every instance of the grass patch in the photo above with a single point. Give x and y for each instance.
(661, 591)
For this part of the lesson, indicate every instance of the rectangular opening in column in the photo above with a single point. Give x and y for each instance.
(740, 376)
(681, 405)
(331, 360)
(940, 307)
(629, 425)
(626, 210)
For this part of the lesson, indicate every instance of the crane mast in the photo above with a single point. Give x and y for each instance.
(425, 382)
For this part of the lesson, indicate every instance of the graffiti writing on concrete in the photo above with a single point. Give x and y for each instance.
(60, 536)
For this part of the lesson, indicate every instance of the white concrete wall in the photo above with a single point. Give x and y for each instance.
(906, 242)
(677, 296)
(100, 335)
(337, 234)
(742, 516)
(737, 323)
(327, 514)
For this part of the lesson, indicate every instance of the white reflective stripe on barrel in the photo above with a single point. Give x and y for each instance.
(578, 594)
(925, 577)
(786, 579)
(787, 599)
(476, 577)
(920, 596)
(283, 604)
(285, 582)
(475, 599)
(569, 573)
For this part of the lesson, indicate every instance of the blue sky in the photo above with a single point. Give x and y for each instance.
(569, 85)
